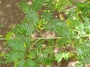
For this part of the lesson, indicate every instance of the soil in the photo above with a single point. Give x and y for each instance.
(10, 14)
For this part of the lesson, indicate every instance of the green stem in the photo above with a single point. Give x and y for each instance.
(40, 38)
(76, 37)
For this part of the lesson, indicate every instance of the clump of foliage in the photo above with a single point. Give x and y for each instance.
(48, 29)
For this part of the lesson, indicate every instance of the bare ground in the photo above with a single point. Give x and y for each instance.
(10, 14)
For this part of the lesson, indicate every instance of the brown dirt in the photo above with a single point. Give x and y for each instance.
(10, 14)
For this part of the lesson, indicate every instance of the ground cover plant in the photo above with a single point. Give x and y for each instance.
(51, 31)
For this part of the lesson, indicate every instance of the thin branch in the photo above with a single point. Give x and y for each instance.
(2, 38)
(76, 37)
(34, 44)
(42, 38)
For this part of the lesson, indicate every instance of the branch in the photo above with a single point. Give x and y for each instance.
(43, 38)
(76, 37)
(2, 38)
(34, 44)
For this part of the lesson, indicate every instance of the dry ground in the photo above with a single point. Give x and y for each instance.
(10, 14)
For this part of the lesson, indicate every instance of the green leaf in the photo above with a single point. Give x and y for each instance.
(65, 32)
(48, 16)
(54, 24)
(83, 52)
(14, 56)
(87, 25)
(1, 36)
(59, 57)
(37, 4)
(21, 63)
(31, 15)
(25, 7)
(61, 41)
(81, 30)
(47, 56)
(29, 28)
(30, 63)
(84, 8)
(78, 64)
(40, 43)
(73, 23)
(51, 42)
(25, 20)
(27, 41)
(62, 55)
(27, 63)
(66, 56)
(8, 35)
(46, 61)
(32, 54)
(16, 44)
(24, 29)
